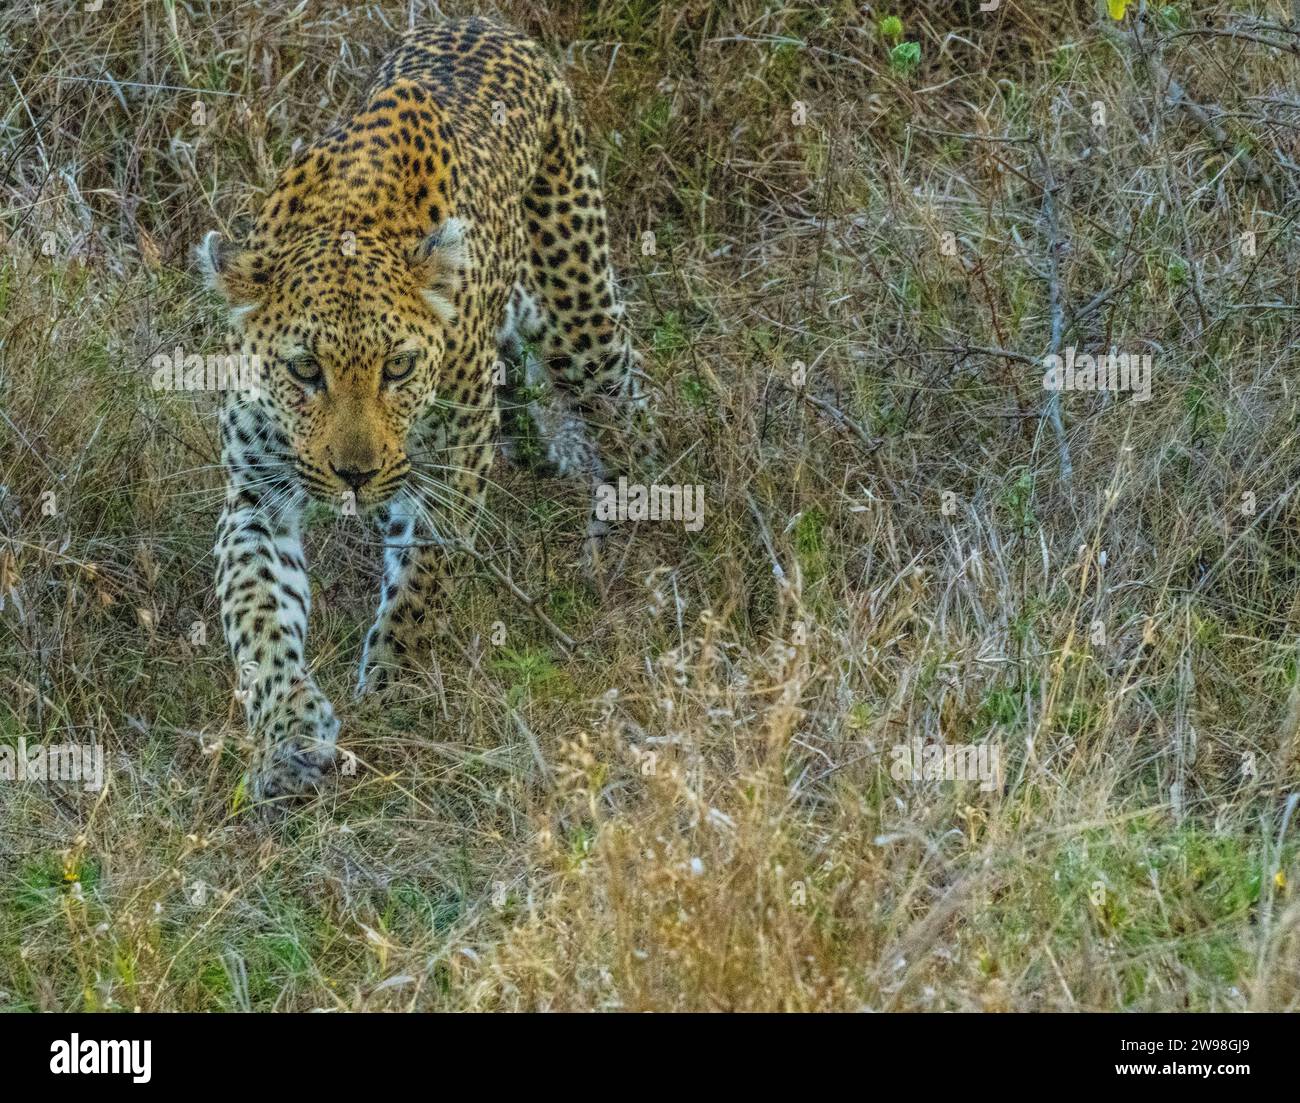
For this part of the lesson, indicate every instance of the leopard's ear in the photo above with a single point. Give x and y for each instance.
(239, 275)
(440, 261)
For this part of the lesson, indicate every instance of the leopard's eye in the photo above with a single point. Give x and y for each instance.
(400, 366)
(305, 369)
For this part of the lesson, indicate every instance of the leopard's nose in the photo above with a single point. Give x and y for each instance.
(353, 477)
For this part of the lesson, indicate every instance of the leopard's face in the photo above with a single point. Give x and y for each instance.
(349, 333)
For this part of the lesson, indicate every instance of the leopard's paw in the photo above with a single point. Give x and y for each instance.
(379, 666)
(297, 748)
(394, 660)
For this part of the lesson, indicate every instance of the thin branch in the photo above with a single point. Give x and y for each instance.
(1056, 305)
(836, 414)
(561, 637)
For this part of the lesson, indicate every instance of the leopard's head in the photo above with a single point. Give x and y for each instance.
(349, 331)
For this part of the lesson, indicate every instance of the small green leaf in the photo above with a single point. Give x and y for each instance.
(905, 57)
(891, 27)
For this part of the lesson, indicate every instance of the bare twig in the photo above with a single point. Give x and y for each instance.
(837, 415)
(988, 350)
(1206, 114)
(561, 637)
(1056, 306)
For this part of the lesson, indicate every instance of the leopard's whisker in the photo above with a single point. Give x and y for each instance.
(488, 482)
(463, 513)
(426, 481)
(441, 486)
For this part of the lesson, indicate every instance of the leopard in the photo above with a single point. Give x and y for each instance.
(439, 256)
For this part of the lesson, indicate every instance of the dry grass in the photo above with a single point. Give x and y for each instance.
(695, 808)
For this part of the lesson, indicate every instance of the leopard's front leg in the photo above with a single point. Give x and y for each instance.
(416, 564)
(265, 598)
(422, 528)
